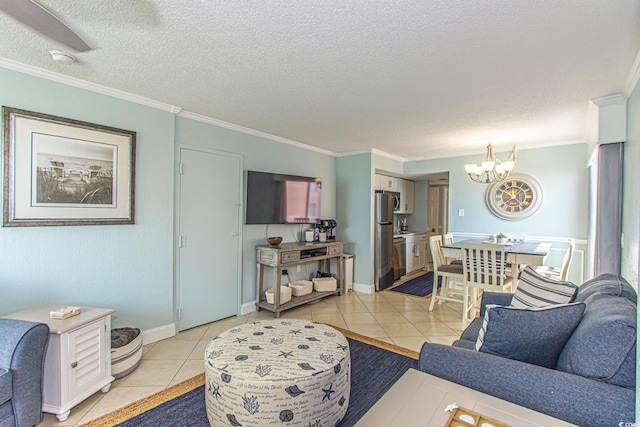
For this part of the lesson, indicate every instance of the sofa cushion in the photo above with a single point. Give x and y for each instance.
(604, 286)
(5, 385)
(535, 290)
(603, 346)
(471, 331)
(531, 335)
(469, 335)
(469, 345)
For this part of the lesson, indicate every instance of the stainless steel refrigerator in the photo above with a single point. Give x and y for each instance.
(384, 240)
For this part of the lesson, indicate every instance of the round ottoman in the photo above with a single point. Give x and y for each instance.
(278, 372)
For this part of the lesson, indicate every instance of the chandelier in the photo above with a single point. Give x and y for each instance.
(492, 169)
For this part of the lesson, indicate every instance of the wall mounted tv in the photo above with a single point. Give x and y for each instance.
(282, 199)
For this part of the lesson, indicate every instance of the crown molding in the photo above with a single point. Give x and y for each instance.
(632, 79)
(173, 109)
(248, 131)
(606, 101)
(373, 151)
(82, 84)
(519, 147)
(376, 152)
(388, 155)
(353, 153)
(634, 76)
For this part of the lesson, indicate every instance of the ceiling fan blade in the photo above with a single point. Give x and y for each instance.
(38, 18)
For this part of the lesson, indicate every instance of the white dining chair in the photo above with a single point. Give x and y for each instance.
(515, 239)
(484, 269)
(447, 239)
(559, 273)
(451, 275)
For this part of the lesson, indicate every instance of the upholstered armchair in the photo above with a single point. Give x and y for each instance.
(23, 347)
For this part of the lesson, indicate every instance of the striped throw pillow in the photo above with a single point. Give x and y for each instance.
(535, 290)
(483, 329)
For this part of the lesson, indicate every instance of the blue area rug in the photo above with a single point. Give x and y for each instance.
(373, 371)
(420, 286)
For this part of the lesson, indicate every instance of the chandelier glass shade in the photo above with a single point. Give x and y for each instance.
(492, 169)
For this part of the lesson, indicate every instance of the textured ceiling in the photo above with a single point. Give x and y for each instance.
(413, 78)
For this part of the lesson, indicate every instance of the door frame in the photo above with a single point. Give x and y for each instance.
(176, 225)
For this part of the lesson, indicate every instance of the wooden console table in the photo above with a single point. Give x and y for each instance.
(286, 255)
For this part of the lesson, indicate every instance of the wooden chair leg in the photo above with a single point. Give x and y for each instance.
(465, 306)
(434, 292)
(443, 289)
(474, 304)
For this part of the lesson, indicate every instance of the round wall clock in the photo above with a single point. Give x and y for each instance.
(517, 197)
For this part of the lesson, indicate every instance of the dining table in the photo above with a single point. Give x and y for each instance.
(518, 252)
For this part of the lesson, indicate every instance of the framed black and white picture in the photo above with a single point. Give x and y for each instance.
(60, 171)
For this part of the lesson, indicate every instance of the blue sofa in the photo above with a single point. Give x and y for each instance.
(593, 382)
(23, 347)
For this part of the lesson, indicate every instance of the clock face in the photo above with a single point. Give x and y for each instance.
(515, 198)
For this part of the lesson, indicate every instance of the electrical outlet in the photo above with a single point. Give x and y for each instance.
(460, 212)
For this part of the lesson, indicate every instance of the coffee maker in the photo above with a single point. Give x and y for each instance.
(329, 226)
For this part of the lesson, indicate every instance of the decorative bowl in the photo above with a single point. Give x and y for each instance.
(274, 241)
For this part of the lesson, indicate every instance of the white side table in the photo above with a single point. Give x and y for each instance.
(78, 359)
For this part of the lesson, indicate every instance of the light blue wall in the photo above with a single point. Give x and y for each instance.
(125, 267)
(561, 172)
(384, 163)
(355, 212)
(130, 268)
(631, 192)
(563, 176)
(265, 155)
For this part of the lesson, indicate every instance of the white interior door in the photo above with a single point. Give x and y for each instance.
(433, 222)
(445, 210)
(209, 237)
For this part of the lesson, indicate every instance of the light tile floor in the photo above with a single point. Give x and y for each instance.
(388, 316)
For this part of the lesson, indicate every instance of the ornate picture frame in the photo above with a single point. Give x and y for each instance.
(60, 171)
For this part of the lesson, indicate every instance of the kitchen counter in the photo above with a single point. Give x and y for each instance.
(409, 233)
(415, 248)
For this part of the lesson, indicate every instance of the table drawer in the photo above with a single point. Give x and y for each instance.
(267, 257)
(335, 249)
(288, 257)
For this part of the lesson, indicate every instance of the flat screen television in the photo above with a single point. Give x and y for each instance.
(282, 199)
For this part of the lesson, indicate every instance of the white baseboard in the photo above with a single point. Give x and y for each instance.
(365, 289)
(247, 307)
(157, 334)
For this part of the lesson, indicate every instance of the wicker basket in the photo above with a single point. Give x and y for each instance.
(301, 287)
(285, 295)
(325, 284)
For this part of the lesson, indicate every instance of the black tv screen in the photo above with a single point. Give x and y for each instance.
(282, 199)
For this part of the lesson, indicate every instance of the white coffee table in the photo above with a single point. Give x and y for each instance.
(419, 399)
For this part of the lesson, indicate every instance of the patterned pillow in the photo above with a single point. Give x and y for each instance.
(535, 290)
(531, 335)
